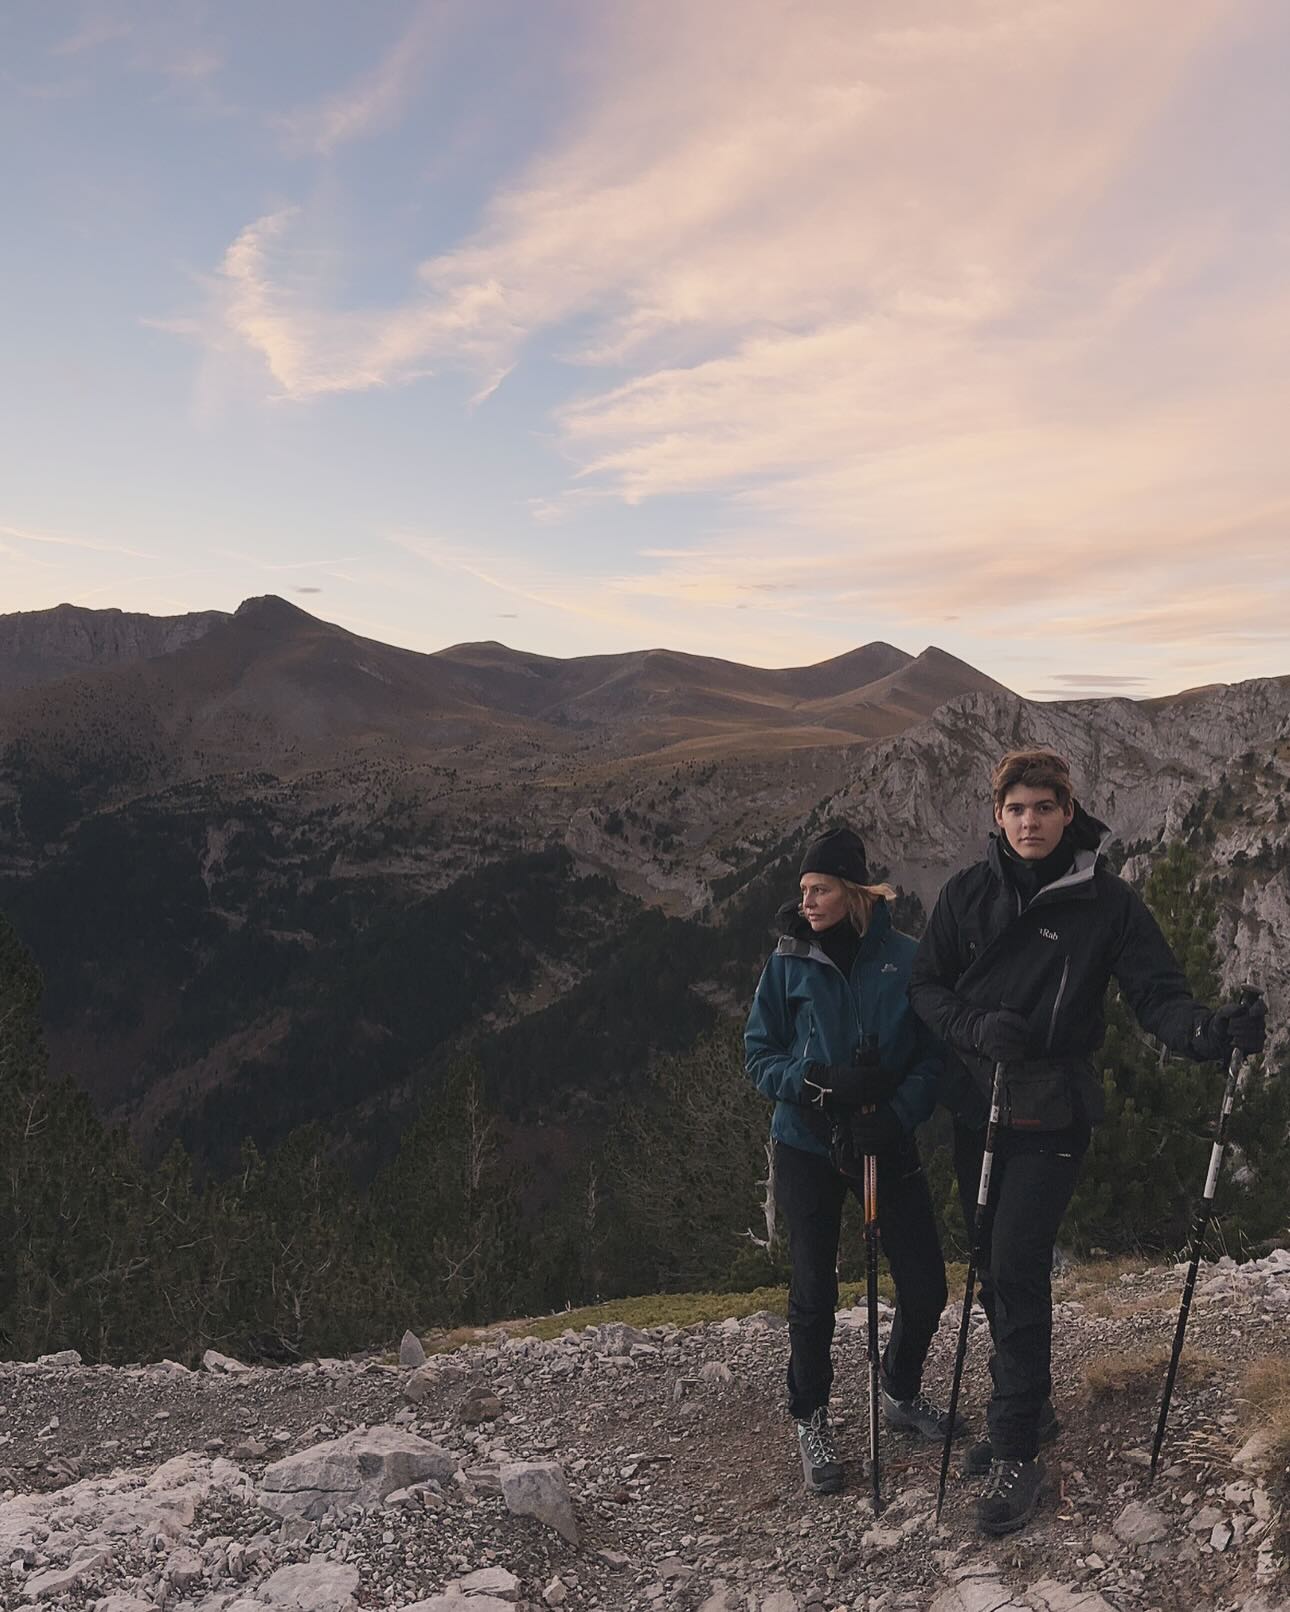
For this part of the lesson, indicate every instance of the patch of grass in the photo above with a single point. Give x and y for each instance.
(1142, 1371)
(660, 1309)
(1090, 1281)
(1265, 1392)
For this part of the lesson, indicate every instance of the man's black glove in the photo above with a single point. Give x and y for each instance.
(878, 1130)
(1239, 1025)
(1002, 1036)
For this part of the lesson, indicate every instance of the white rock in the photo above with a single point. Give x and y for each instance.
(555, 1594)
(358, 1469)
(716, 1371)
(539, 1489)
(64, 1357)
(316, 1586)
(1221, 1537)
(214, 1361)
(123, 1603)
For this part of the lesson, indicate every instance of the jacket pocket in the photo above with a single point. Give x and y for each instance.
(1037, 1096)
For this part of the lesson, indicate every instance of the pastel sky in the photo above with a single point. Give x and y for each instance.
(754, 328)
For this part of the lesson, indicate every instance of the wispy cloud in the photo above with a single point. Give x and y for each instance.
(60, 540)
(373, 103)
(873, 281)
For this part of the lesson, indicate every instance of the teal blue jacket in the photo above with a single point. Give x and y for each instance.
(807, 1011)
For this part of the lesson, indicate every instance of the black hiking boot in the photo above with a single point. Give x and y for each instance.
(920, 1415)
(1011, 1496)
(977, 1462)
(820, 1464)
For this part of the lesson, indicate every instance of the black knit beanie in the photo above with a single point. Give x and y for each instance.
(839, 853)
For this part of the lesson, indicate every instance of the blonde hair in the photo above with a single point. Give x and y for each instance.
(860, 899)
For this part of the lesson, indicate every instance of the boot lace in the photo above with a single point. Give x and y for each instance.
(819, 1440)
(1004, 1475)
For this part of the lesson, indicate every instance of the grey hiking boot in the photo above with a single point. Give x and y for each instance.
(820, 1464)
(1010, 1497)
(920, 1415)
(978, 1459)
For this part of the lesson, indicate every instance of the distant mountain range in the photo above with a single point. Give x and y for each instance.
(275, 872)
(271, 683)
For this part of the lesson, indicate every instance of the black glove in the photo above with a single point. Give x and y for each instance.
(853, 1085)
(878, 1130)
(1002, 1036)
(1239, 1025)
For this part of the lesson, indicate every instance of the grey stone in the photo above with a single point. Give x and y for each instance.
(1139, 1524)
(123, 1603)
(539, 1489)
(64, 1357)
(316, 1586)
(1050, 1596)
(419, 1384)
(55, 1580)
(360, 1468)
(411, 1351)
(781, 1601)
(455, 1601)
(499, 1581)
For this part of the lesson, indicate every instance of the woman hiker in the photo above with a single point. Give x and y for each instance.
(852, 1071)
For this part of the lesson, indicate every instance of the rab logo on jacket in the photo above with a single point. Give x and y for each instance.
(1050, 934)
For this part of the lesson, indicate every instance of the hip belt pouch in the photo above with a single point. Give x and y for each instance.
(1039, 1095)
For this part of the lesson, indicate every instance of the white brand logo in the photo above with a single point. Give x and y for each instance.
(1049, 934)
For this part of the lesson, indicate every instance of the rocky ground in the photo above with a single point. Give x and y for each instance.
(616, 1469)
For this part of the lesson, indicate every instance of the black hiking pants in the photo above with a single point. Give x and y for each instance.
(1029, 1192)
(811, 1193)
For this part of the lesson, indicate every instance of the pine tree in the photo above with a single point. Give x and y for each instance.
(450, 1206)
(1147, 1162)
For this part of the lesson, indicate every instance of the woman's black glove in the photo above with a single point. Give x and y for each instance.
(854, 1085)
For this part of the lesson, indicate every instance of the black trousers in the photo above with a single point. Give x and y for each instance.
(1029, 1193)
(811, 1193)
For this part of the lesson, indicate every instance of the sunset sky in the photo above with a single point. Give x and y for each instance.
(753, 328)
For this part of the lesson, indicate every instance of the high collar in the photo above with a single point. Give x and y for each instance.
(791, 925)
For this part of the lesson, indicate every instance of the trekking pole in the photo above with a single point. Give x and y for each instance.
(871, 1285)
(965, 1320)
(1246, 995)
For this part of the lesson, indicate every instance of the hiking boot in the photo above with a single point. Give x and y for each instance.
(920, 1415)
(1011, 1496)
(981, 1455)
(820, 1464)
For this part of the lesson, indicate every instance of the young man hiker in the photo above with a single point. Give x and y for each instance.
(852, 1071)
(1013, 969)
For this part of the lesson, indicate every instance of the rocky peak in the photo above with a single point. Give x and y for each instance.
(41, 646)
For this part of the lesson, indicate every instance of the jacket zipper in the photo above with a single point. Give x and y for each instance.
(1057, 1004)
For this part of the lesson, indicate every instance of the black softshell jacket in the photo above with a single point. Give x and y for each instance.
(1050, 960)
